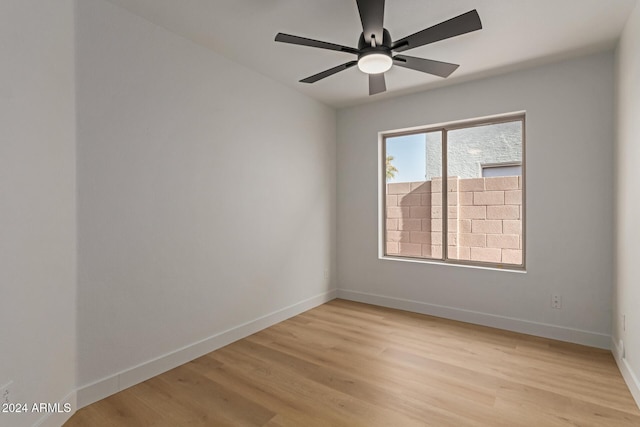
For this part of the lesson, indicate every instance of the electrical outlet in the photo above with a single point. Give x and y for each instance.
(5, 393)
(624, 322)
(556, 301)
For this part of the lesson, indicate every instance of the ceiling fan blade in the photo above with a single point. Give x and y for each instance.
(376, 84)
(461, 24)
(302, 41)
(329, 72)
(372, 17)
(437, 68)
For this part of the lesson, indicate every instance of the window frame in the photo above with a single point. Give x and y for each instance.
(444, 128)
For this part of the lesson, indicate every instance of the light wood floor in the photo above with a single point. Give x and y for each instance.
(350, 364)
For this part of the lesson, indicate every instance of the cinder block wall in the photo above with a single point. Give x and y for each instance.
(485, 219)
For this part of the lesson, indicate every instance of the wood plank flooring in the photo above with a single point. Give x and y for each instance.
(351, 364)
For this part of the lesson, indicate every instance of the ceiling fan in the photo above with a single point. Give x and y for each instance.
(377, 51)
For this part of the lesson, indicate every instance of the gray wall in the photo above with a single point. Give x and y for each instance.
(627, 295)
(37, 213)
(470, 148)
(206, 199)
(569, 108)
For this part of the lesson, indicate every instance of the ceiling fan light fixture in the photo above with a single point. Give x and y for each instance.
(375, 63)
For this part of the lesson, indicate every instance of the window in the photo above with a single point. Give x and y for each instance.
(483, 161)
(501, 169)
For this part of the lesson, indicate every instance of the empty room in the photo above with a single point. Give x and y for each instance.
(319, 213)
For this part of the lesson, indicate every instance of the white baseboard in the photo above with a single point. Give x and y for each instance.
(627, 373)
(58, 418)
(105, 387)
(545, 330)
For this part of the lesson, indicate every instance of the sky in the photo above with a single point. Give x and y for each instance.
(409, 157)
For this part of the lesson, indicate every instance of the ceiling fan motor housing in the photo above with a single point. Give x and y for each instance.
(365, 43)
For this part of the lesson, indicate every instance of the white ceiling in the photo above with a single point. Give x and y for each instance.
(515, 34)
